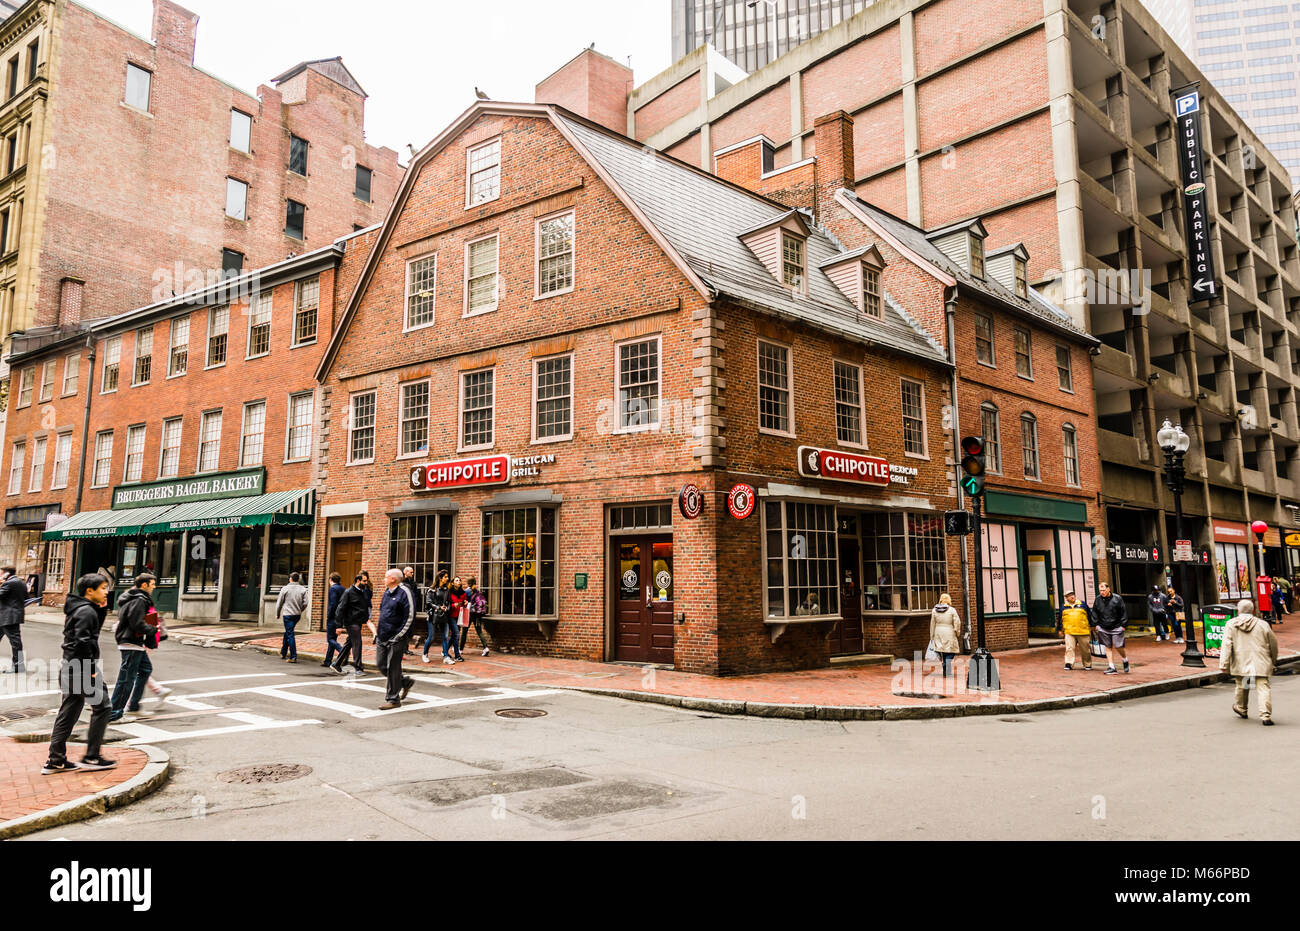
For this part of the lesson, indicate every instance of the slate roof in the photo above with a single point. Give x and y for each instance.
(702, 218)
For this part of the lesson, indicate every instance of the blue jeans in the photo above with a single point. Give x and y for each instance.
(131, 677)
(289, 644)
(450, 637)
(332, 640)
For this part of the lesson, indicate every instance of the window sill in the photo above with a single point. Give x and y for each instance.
(478, 313)
(777, 626)
(218, 365)
(780, 434)
(858, 447)
(476, 449)
(1024, 377)
(987, 365)
(177, 375)
(643, 428)
(547, 441)
(404, 457)
(302, 345)
(260, 355)
(418, 327)
(542, 297)
(361, 462)
(924, 457)
(200, 596)
(545, 625)
(134, 109)
(292, 461)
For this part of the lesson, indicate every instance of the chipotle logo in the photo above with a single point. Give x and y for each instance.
(459, 473)
(843, 467)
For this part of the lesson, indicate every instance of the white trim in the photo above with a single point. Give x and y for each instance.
(496, 298)
(63, 388)
(37, 479)
(744, 142)
(469, 155)
(22, 374)
(252, 315)
(846, 201)
(659, 382)
(1078, 465)
(406, 293)
(793, 165)
(534, 440)
(288, 424)
(40, 392)
(171, 346)
(135, 354)
(293, 328)
(345, 509)
(103, 368)
(862, 404)
(401, 415)
(207, 342)
(460, 409)
(94, 459)
(54, 476)
(243, 433)
(789, 388)
(198, 459)
(925, 419)
(126, 453)
(374, 445)
(537, 254)
(162, 447)
(21, 466)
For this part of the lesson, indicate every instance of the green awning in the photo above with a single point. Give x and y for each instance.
(127, 523)
(281, 507)
(1014, 505)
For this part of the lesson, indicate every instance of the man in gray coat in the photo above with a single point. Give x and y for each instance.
(1248, 654)
(289, 607)
(13, 601)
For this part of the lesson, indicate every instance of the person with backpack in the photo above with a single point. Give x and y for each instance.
(1075, 622)
(81, 678)
(477, 599)
(1158, 604)
(437, 603)
(136, 633)
(1110, 616)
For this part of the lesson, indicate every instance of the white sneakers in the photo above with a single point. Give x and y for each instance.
(485, 651)
(425, 659)
(163, 692)
(448, 661)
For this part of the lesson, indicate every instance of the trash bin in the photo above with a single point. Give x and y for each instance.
(1213, 618)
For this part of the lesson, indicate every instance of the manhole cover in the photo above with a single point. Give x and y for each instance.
(265, 772)
(21, 714)
(1015, 720)
(521, 713)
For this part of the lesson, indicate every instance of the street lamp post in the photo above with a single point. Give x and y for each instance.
(1175, 443)
(1260, 528)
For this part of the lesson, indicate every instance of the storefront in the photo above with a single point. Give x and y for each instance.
(21, 545)
(1291, 554)
(1233, 559)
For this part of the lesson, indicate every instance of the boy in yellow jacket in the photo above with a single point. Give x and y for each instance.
(1076, 622)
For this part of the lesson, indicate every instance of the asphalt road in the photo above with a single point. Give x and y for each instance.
(446, 765)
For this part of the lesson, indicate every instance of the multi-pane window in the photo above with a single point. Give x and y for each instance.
(792, 260)
(33, 59)
(1022, 278)
(1064, 369)
(16, 462)
(984, 339)
(555, 255)
(1070, 444)
(517, 559)
(913, 417)
(976, 256)
(773, 387)
(38, 464)
(241, 130)
(1001, 569)
(290, 552)
(421, 283)
(71, 373)
(203, 565)
(253, 435)
(871, 292)
(62, 460)
(991, 430)
(295, 218)
(26, 384)
(638, 384)
(137, 87)
(361, 428)
(112, 361)
(259, 325)
(423, 542)
(103, 458)
(361, 189)
(1029, 444)
(414, 418)
(178, 355)
(481, 272)
(298, 441)
(55, 563)
(143, 369)
(236, 199)
(1024, 360)
(848, 404)
(47, 381)
(477, 390)
(483, 172)
(218, 333)
(298, 155)
(210, 442)
(904, 560)
(133, 469)
(553, 398)
(802, 559)
(169, 461)
(306, 306)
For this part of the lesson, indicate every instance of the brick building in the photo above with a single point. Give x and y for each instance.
(603, 352)
(178, 437)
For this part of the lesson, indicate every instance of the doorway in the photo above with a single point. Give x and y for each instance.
(246, 592)
(846, 638)
(345, 558)
(643, 599)
(1041, 590)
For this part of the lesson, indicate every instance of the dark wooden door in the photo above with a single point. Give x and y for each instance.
(345, 558)
(643, 599)
(846, 638)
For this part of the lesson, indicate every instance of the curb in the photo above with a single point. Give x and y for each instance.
(148, 780)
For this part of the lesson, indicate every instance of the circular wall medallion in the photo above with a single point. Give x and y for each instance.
(690, 501)
(740, 501)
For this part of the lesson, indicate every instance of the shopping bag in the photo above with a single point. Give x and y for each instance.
(464, 616)
(1096, 649)
(930, 652)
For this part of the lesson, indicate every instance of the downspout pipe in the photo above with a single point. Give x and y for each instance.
(85, 419)
(950, 314)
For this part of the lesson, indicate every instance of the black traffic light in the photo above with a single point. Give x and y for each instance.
(958, 523)
(972, 465)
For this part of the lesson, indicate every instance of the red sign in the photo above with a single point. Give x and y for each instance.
(1229, 532)
(690, 501)
(459, 473)
(740, 501)
(843, 467)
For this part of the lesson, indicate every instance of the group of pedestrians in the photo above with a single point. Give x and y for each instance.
(1103, 623)
(1167, 611)
(451, 609)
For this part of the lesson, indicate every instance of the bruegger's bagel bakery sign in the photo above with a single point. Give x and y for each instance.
(852, 467)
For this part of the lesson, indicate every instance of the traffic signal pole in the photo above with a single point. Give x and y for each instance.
(983, 672)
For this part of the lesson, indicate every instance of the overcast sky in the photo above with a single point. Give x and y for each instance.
(418, 61)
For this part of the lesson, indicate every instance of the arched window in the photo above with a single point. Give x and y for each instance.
(1029, 445)
(991, 430)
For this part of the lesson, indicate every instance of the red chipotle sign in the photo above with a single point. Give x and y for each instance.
(843, 467)
(459, 473)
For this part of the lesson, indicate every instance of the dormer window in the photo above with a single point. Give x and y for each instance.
(857, 275)
(1022, 278)
(1008, 266)
(780, 243)
(976, 256)
(792, 261)
(870, 291)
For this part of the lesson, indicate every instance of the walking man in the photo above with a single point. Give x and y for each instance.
(1076, 623)
(1158, 602)
(289, 607)
(137, 625)
(331, 618)
(81, 677)
(13, 607)
(408, 580)
(1110, 616)
(1248, 654)
(352, 611)
(396, 613)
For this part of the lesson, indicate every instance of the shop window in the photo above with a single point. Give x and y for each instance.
(518, 562)
(1002, 569)
(1078, 568)
(905, 566)
(55, 564)
(802, 559)
(203, 565)
(290, 552)
(421, 541)
(848, 404)
(1232, 570)
(636, 517)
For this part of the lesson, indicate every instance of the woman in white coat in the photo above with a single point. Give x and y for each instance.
(945, 631)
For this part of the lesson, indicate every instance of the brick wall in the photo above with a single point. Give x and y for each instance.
(674, 103)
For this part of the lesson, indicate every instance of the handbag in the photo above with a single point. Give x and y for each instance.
(930, 652)
(1095, 648)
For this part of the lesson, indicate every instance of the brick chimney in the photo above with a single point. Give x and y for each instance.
(833, 146)
(750, 164)
(591, 85)
(175, 29)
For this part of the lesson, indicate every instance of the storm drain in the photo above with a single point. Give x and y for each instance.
(930, 695)
(521, 713)
(265, 772)
(1016, 720)
(21, 714)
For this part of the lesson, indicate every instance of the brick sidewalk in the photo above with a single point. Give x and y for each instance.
(24, 791)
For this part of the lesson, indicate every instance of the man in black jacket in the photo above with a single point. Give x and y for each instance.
(81, 678)
(1110, 616)
(13, 602)
(331, 619)
(351, 612)
(137, 626)
(396, 615)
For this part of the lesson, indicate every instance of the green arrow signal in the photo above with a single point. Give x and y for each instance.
(973, 485)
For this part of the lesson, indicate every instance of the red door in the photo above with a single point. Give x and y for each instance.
(846, 638)
(643, 599)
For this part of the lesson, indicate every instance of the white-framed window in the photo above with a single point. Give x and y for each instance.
(792, 260)
(178, 346)
(361, 428)
(774, 409)
(38, 464)
(133, 465)
(71, 373)
(421, 291)
(103, 458)
(1024, 354)
(210, 442)
(555, 254)
(112, 362)
(241, 130)
(483, 173)
(984, 340)
(914, 440)
(26, 385)
(169, 455)
(481, 279)
(62, 460)
(991, 430)
(306, 310)
(55, 563)
(47, 381)
(298, 436)
(413, 418)
(1070, 445)
(236, 199)
(252, 435)
(218, 336)
(17, 460)
(849, 416)
(259, 325)
(142, 370)
(1064, 369)
(802, 559)
(137, 87)
(477, 409)
(1029, 444)
(636, 384)
(871, 292)
(553, 398)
